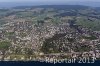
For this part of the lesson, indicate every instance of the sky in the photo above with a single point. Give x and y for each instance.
(46, 0)
(13, 3)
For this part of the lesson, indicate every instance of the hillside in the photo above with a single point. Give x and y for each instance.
(31, 33)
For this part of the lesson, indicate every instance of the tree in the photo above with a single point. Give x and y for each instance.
(4, 46)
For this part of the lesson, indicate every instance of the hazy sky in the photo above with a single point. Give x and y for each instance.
(45, 0)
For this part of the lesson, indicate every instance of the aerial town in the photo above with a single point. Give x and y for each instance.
(35, 33)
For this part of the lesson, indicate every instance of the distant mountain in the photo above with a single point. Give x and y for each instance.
(14, 4)
(86, 3)
(54, 6)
